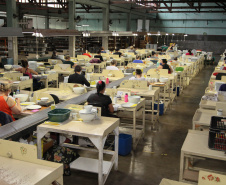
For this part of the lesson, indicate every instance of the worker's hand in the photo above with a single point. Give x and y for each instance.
(17, 100)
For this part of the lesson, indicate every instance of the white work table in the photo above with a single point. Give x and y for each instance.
(202, 118)
(196, 146)
(97, 131)
(19, 166)
(172, 182)
(147, 94)
(137, 131)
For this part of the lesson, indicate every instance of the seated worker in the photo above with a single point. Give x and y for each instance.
(7, 104)
(138, 76)
(78, 77)
(175, 61)
(54, 55)
(99, 56)
(95, 60)
(87, 54)
(164, 65)
(102, 50)
(117, 52)
(25, 69)
(28, 72)
(189, 52)
(138, 60)
(68, 61)
(99, 99)
(112, 66)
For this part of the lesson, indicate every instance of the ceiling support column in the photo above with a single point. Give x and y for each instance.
(72, 25)
(12, 22)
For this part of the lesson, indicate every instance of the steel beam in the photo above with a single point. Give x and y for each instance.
(187, 12)
(162, 1)
(181, 7)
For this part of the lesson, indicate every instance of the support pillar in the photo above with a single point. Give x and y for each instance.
(128, 26)
(47, 22)
(144, 24)
(106, 18)
(105, 42)
(72, 39)
(12, 22)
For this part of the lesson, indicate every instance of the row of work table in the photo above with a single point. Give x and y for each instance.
(132, 119)
(197, 153)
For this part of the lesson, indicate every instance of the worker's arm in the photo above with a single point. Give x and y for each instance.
(111, 108)
(15, 107)
(33, 72)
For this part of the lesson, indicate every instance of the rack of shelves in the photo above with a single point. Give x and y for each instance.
(3, 47)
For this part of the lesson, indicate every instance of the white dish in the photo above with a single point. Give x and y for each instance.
(128, 105)
(88, 108)
(22, 97)
(22, 78)
(16, 82)
(134, 99)
(163, 80)
(159, 83)
(87, 117)
(79, 90)
(44, 99)
(8, 67)
(33, 107)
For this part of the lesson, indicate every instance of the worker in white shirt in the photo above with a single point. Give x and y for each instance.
(112, 66)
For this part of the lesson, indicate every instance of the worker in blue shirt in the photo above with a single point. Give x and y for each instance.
(138, 60)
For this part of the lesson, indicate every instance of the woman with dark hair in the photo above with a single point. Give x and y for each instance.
(164, 65)
(189, 52)
(54, 55)
(138, 76)
(99, 99)
(99, 56)
(25, 69)
(78, 77)
(28, 72)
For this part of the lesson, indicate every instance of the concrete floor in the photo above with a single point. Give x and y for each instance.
(158, 155)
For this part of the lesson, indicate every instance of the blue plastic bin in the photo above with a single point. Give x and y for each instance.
(161, 108)
(178, 90)
(125, 144)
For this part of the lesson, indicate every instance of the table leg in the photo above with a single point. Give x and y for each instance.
(134, 129)
(153, 109)
(116, 131)
(144, 120)
(100, 163)
(181, 166)
(40, 135)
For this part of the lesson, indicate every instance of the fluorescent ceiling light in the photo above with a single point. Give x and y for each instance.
(28, 32)
(85, 25)
(185, 35)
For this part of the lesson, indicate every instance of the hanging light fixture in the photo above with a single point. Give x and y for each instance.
(185, 35)
(37, 34)
(86, 34)
(172, 37)
(115, 33)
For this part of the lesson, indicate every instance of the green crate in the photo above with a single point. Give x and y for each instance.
(59, 115)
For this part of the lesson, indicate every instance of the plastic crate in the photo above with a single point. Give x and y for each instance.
(218, 123)
(59, 115)
(125, 144)
(217, 140)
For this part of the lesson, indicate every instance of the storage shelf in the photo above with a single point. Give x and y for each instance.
(90, 165)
